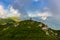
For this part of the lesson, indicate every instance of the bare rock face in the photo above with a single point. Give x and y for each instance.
(45, 28)
(40, 25)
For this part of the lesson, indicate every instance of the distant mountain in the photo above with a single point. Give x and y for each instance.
(27, 30)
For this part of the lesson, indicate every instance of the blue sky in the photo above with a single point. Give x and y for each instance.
(47, 11)
(5, 3)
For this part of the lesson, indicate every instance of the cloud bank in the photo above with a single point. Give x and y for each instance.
(43, 16)
(10, 12)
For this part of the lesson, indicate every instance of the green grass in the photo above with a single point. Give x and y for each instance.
(26, 30)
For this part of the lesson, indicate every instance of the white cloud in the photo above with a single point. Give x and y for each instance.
(13, 13)
(43, 16)
(10, 12)
(2, 11)
(32, 15)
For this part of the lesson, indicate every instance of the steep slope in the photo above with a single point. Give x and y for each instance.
(58, 33)
(27, 30)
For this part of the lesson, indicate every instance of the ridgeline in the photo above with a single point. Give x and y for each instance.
(26, 30)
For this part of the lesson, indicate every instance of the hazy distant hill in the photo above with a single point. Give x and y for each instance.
(26, 30)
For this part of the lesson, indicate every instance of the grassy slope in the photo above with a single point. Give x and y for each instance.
(26, 30)
(58, 32)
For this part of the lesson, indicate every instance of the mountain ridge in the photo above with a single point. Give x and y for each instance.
(26, 30)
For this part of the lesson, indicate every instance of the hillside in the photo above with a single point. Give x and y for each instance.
(26, 30)
(58, 32)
